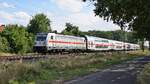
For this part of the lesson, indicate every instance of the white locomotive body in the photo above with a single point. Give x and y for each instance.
(52, 41)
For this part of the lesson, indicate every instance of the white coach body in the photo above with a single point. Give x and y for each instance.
(99, 44)
(117, 45)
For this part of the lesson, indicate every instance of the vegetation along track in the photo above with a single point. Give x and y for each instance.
(23, 58)
(34, 57)
(37, 57)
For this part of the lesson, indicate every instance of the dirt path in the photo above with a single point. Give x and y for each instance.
(124, 73)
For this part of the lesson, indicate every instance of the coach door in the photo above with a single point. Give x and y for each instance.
(51, 41)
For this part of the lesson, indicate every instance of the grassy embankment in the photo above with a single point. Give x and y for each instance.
(144, 76)
(6, 54)
(60, 68)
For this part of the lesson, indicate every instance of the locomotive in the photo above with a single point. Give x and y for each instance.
(51, 42)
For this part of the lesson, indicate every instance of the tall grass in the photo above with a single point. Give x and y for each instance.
(6, 54)
(140, 52)
(56, 69)
(144, 77)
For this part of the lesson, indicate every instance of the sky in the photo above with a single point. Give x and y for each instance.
(58, 11)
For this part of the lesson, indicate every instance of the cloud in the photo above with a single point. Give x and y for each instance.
(22, 15)
(5, 15)
(83, 18)
(19, 17)
(88, 21)
(6, 5)
(85, 21)
(1, 23)
(70, 5)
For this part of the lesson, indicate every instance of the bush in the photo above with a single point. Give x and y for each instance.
(4, 45)
(19, 40)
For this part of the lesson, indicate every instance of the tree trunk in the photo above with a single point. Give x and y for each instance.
(149, 45)
(142, 45)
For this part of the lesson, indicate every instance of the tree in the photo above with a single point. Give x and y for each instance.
(71, 30)
(20, 41)
(114, 35)
(131, 14)
(122, 12)
(39, 23)
(54, 31)
(102, 34)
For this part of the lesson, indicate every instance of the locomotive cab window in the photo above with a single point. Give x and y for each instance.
(41, 38)
(52, 37)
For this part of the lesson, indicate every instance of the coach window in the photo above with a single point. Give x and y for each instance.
(52, 37)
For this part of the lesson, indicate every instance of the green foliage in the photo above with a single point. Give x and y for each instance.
(123, 12)
(4, 45)
(132, 14)
(71, 30)
(102, 34)
(118, 35)
(39, 23)
(20, 41)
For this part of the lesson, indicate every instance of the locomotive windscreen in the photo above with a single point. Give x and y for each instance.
(40, 38)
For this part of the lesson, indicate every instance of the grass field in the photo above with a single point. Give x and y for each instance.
(59, 68)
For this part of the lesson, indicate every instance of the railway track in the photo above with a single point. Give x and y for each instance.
(33, 57)
(37, 57)
(22, 58)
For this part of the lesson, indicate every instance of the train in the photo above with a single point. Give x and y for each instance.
(52, 42)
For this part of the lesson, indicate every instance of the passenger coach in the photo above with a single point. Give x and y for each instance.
(98, 44)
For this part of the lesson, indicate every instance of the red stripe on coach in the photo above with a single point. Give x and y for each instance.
(65, 42)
